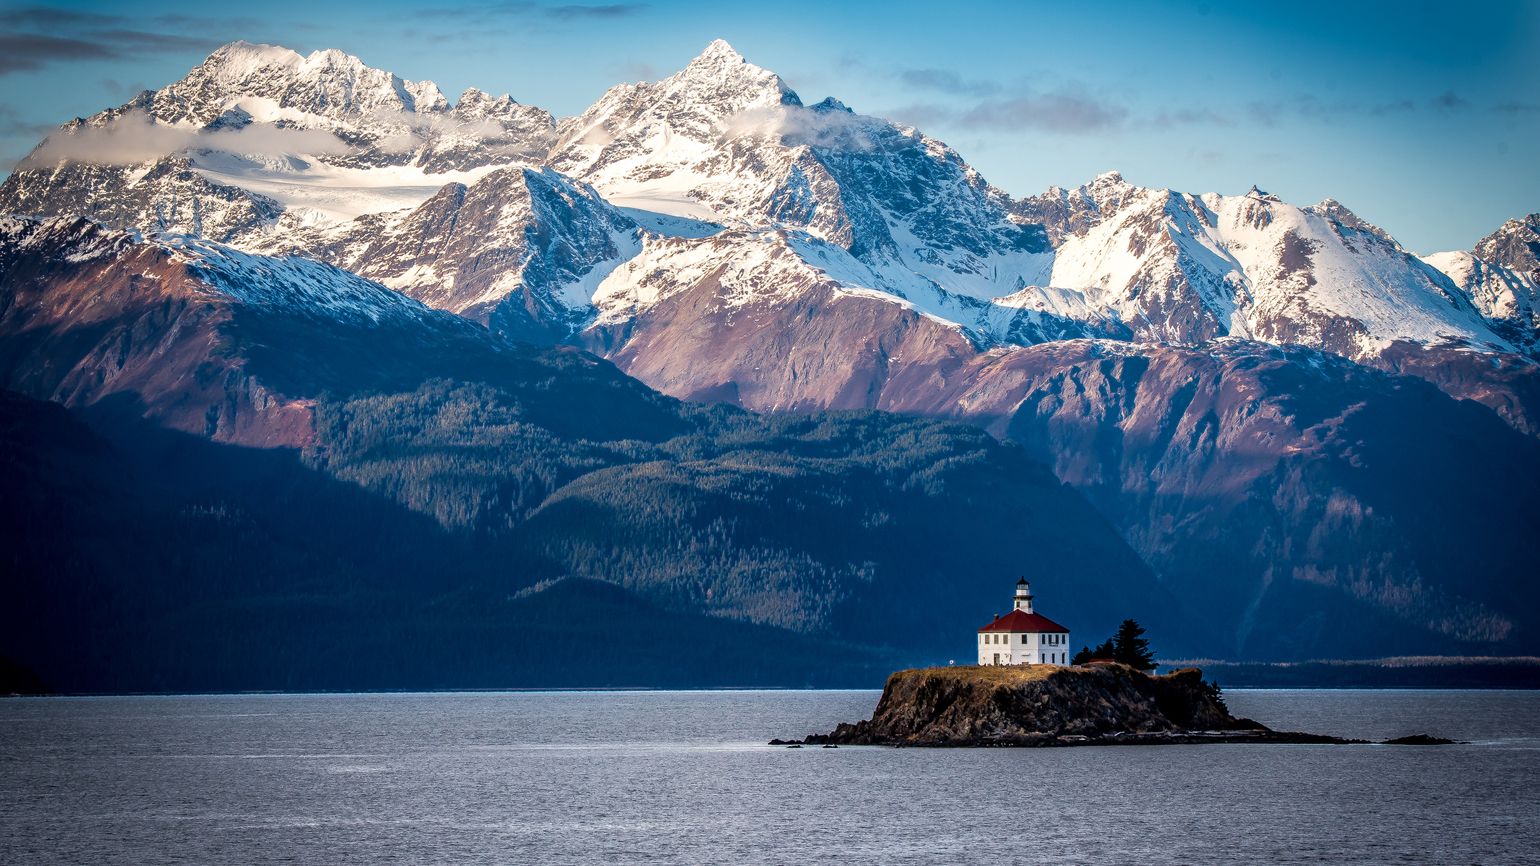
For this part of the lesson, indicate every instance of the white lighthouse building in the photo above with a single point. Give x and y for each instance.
(1023, 636)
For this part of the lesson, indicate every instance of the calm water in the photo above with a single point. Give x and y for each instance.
(684, 777)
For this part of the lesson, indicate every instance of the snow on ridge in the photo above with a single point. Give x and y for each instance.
(723, 151)
(1187, 268)
(293, 283)
(318, 193)
(239, 60)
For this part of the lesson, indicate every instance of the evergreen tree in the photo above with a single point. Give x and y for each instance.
(1131, 647)
(1104, 650)
(1215, 693)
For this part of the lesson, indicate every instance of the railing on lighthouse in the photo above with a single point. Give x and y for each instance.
(1023, 596)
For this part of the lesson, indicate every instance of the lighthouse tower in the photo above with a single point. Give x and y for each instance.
(1023, 636)
(1023, 596)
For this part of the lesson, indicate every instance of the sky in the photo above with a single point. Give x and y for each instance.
(1421, 117)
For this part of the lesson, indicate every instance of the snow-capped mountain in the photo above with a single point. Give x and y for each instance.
(721, 241)
(325, 156)
(520, 250)
(1184, 268)
(725, 141)
(1502, 278)
(259, 138)
(203, 337)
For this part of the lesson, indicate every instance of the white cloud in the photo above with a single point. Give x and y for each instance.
(411, 130)
(133, 138)
(795, 125)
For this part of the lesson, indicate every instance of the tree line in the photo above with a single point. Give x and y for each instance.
(1128, 645)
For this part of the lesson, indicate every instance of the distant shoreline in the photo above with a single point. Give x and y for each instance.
(1403, 672)
(1399, 672)
(1466, 673)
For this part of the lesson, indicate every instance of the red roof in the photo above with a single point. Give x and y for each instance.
(1018, 620)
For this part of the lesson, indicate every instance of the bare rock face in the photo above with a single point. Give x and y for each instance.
(1282, 490)
(1506, 383)
(1040, 706)
(730, 141)
(519, 250)
(199, 337)
(742, 318)
(87, 314)
(1502, 277)
(1300, 499)
(1516, 246)
(1185, 268)
(1101, 704)
(170, 197)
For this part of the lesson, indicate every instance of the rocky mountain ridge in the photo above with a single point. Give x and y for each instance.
(1501, 275)
(260, 139)
(1239, 385)
(512, 485)
(880, 208)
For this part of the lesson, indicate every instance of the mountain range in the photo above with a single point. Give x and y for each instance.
(1269, 429)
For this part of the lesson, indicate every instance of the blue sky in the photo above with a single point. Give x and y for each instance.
(1422, 117)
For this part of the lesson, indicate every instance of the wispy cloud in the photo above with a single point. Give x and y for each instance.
(1309, 107)
(573, 11)
(986, 105)
(535, 11)
(1449, 101)
(121, 88)
(637, 70)
(135, 41)
(27, 51)
(42, 35)
(1170, 118)
(133, 138)
(947, 81)
(12, 124)
(797, 125)
(1064, 111)
(930, 78)
(52, 17)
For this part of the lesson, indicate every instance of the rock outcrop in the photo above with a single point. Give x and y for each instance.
(1099, 704)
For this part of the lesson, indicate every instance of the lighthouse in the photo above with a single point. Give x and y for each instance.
(1023, 636)
(1023, 596)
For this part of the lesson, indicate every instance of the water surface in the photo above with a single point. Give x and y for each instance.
(587, 777)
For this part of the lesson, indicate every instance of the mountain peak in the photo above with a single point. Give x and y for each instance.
(1260, 194)
(1338, 213)
(240, 59)
(328, 82)
(476, 101)
(720, 72)
(719, 52)
(332, 58)
(1515, 245)
(829, 103)
(1108, 190)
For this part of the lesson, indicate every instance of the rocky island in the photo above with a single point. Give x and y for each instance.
(1048, 705)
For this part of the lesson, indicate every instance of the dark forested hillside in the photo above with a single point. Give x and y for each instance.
(274, 474)
(480, 549)
(150, 560)
(291, 477)
(861, 526)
